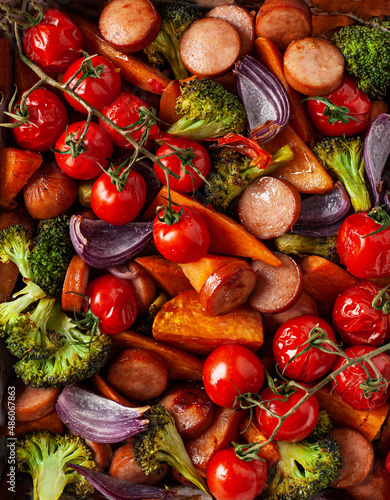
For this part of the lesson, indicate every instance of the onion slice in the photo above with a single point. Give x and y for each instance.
(264, 97)
(97, 418)
(102, 245)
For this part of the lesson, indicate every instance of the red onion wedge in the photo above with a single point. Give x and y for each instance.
(264, 97)
(97, 418)
(102, 245)
(118, 489)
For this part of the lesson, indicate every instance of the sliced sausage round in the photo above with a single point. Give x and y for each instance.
(209, 47)
(269, 207)
(278, 288)
(313, 66)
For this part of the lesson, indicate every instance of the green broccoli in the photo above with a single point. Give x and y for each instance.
(343, 157)
(232, 173)
(162, 443)
(323, 426)
(78, 356)
(367, 54)
(207, 110)
(175, 19)
(44, 455)
(299, 244)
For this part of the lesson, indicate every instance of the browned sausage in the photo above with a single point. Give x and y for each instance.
(313, 66)
(138, 374)
(129, 25)
(376, 486)
(144, 284)
(102, 454)
(242, 20)
(191, 408)
(269, 207)
(283, 21)
(358, 456)
(101, 386)
(209, 47)
(278, 288)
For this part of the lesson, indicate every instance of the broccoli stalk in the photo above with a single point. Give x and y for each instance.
(343, 156)
(207, 110)
(298, 244)
(161, 442)
(44, 455)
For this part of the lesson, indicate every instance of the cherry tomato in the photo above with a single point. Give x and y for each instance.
(366, 255)
(88, 164)
(190, 181)
(355, 110)
(184, 241)
(230, 478)
(289, 340)
(295, 427)
(349, 383)
(229, 369)
(53, 44)
(114, 207)
(356, 318)
(97, 89)
(114, 302)
(47, 119)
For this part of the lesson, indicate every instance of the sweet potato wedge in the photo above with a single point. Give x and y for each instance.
(326, 22)
(183, 323)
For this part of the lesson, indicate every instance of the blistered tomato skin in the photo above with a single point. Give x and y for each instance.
(53, 44)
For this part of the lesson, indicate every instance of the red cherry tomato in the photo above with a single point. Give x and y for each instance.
(184, 241)
(348, 384)
(357, 320)
(114, 207)
(98, 90)
(295, 427)
(365, 255)
(231, 368)
(89, 163)
(54, 43)
(289, 340)
(114, 302)
(47, 120)
(190, 181)
(356, 114)
(230, 478)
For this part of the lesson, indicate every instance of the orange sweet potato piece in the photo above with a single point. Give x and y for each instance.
(326, 22)
(16, 167)
(227, 236)
(253, 434)
(324, 281)
(183, 323)
(50, 422)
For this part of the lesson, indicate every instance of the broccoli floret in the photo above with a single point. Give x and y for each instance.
(367, 56)
(51, 252)
(323, 426)
(299, 244)
(44, 455)
(175, 19)
(162, 443)
(232, 173)
(15, 247)
(78, 356)
(343, 157)
(207, 110)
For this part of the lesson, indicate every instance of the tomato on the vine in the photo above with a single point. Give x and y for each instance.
(230, 369)
(346, 111)
(356, 385)
(96, 80)
(87, 163)
(114, 302)
(296, 426)
(197, 161)
(230, 478)
(184, 241)
(54, 43)
(46, 121)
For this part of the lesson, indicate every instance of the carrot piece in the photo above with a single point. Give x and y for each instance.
(363, 10)
(269, 55)
(253, 434)
(16, 167)
(76, 280)
(50, 422)
(167, 111)
(325, 22)
(168, 275)
(197, 272)
(101, 386)
(324, 281)
(181, 365)
(304, 172)
(133, 70)
(102, 454)
(227, 236)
